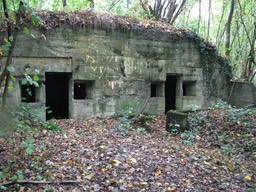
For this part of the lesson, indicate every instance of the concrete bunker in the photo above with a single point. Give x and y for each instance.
(106, 62)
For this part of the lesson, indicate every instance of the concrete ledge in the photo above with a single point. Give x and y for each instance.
(177, 121)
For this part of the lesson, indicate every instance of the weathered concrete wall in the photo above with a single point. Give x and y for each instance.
(243, 94)
(118, 67)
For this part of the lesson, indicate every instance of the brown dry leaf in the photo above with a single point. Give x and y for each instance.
(207, 163)
(115, 162)
(104, 169)
(90, 176)
(230, 167)
(171, 188)
(129, 185)
(131, 160)
(158, 172)
(70, 162)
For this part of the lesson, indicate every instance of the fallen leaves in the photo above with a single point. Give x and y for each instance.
(95, 153)
(116, 162)
(131, 160)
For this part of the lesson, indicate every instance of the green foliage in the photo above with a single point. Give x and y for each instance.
(197, 122)
(28, 145)
(221, 105)
(128, 108)
(208, 57)
(124, 126)
(4, 49)
(141, 130)
(174, 128)
(23, 124)
(128, 111)
(234, 136)
(14, 10)
(239, 50)
(30, 77)
(49, 125)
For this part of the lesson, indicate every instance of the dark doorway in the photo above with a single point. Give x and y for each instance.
(57, 95)
(170, 92)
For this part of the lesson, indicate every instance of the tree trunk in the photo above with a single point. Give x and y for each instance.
(227, 45)
(5, 73)
(92, 3)
(113, 5)
(248, 70)
(209, 19)
(199, 16)
(6, 86)
(64, 2)
(220, 31)
(178, 10)
(144, 5)
(128, 3)
(168, 10)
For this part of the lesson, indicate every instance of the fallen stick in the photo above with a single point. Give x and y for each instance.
(39, 182)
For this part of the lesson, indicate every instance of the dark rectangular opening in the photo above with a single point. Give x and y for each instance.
(153, 90)
(57, 95)
(189, 88)
(170, 92)
(83, 89)
(28, 93)
(157, 89)
(79, 90)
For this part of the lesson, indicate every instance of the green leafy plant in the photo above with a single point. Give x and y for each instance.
(174, 128)
(124, 126)
(30, 77)
(188, 137)
(128, 108)
(28, 144)
(141, 130)
(49, 125)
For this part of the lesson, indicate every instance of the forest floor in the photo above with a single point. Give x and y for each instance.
(108, 154)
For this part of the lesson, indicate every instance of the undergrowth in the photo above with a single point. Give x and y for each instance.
(21, 126)
(231, 129)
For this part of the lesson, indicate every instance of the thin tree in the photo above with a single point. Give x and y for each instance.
(167, 10)
(228, 29)
(113, 4)
(199, 16)
(12, 24)
(209, 19)
(220, 29)
(250, 63)
(64, 3)
(11, 38)
(92, 3)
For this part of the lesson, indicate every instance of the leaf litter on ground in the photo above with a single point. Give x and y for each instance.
(217, 154)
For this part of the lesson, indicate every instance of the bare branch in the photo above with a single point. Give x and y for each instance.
(113, 5)
(144, 5)
(22, 182)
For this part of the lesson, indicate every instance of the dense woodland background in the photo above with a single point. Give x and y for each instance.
(113, 153)
(228, 24)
